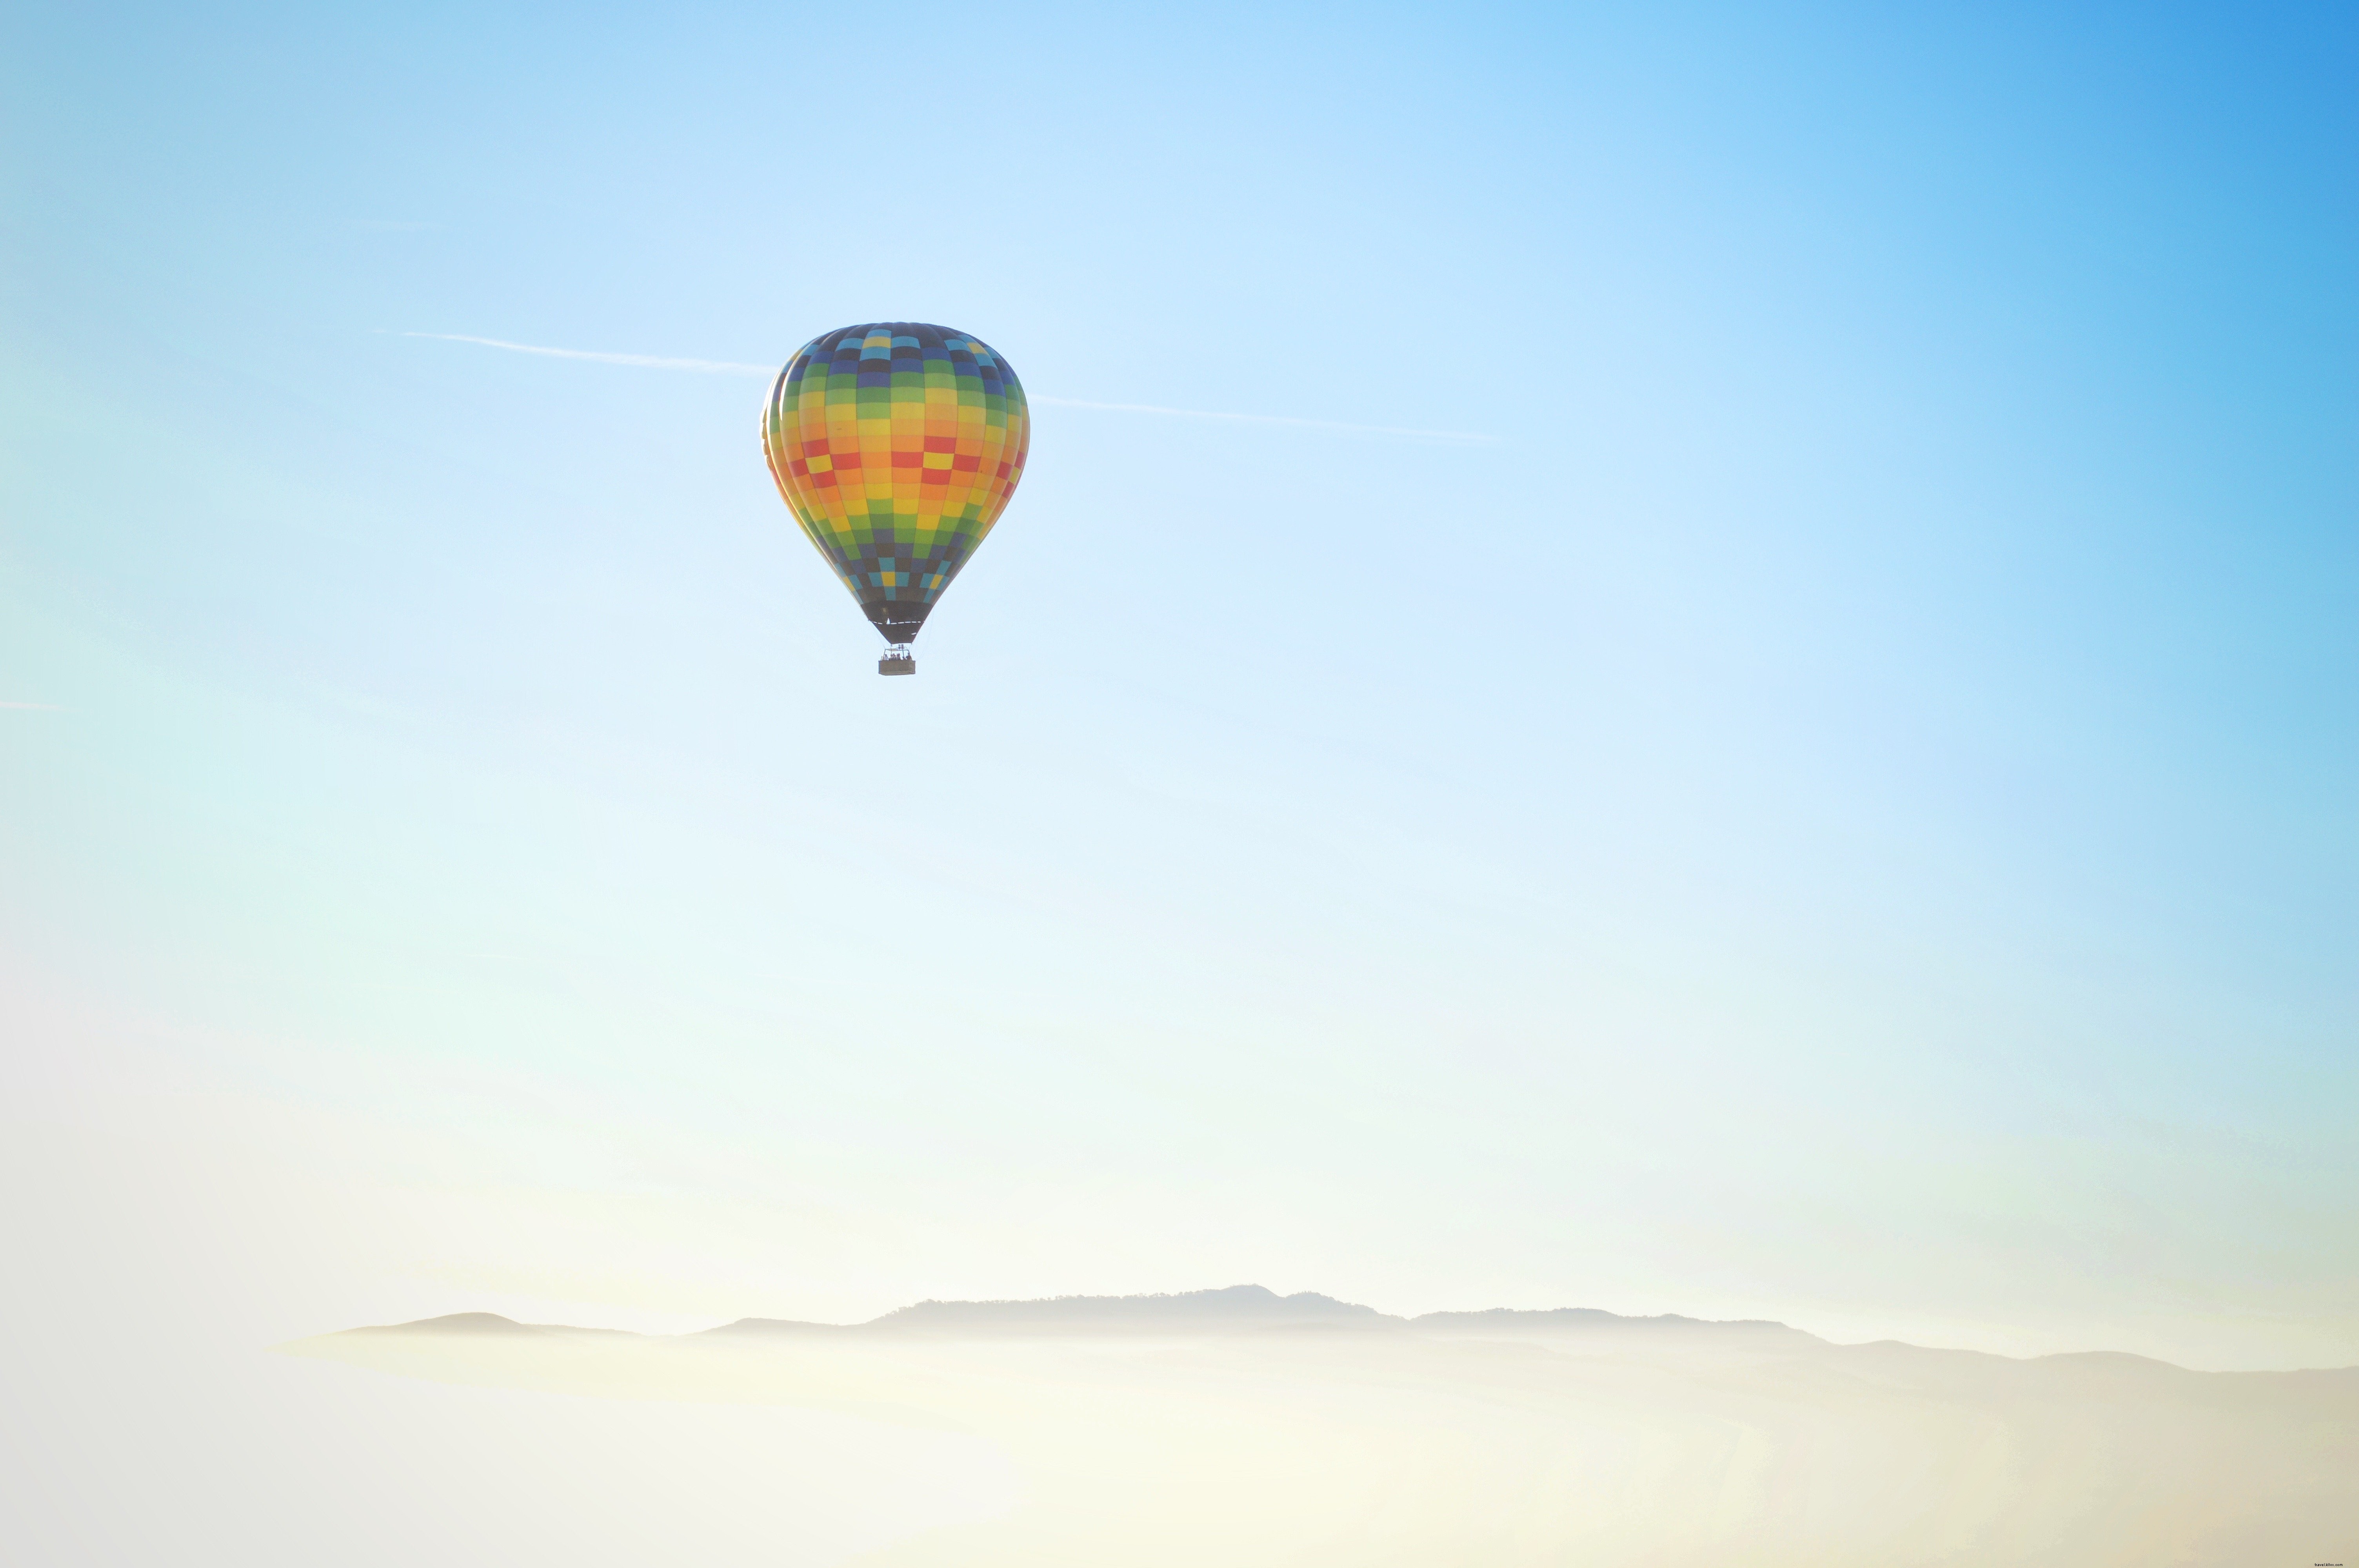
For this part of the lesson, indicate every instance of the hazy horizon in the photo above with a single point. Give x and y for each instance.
(1221, 1427)
(1214, 1308)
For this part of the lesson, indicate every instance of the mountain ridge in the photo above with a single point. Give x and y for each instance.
(1251, 1309)
(1231, 1308)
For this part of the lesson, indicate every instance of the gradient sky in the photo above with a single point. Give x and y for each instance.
(1838, 806)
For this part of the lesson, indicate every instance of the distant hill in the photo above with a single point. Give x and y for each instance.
(491, 1324)
(1589, 1324)
(1253, 1311)
(1237, 1309)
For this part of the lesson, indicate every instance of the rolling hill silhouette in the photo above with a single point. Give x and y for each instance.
(1235, 1309)
(1241, 1426)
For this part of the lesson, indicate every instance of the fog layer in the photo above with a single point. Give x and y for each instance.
(1256, 1430)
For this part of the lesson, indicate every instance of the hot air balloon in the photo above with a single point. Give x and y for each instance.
(896, 445)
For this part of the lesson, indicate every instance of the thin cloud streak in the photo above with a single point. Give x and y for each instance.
(647, 362)
(728, 367)
(40, 706)
(1266, 419)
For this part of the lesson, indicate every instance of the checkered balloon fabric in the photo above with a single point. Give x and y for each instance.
(897, 446)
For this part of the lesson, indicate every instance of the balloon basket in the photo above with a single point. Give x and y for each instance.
(898, 661)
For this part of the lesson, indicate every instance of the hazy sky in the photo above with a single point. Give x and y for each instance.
(1838, 806)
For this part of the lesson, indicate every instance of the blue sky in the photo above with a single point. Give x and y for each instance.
(1837, 806)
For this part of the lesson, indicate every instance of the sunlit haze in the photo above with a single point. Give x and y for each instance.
(1671, 659)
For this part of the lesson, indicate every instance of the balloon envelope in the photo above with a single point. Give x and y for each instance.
(896, 445)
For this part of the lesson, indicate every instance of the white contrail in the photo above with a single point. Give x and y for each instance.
(1263, 419)
(43, 707)
(650, 361)
(729, 367)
